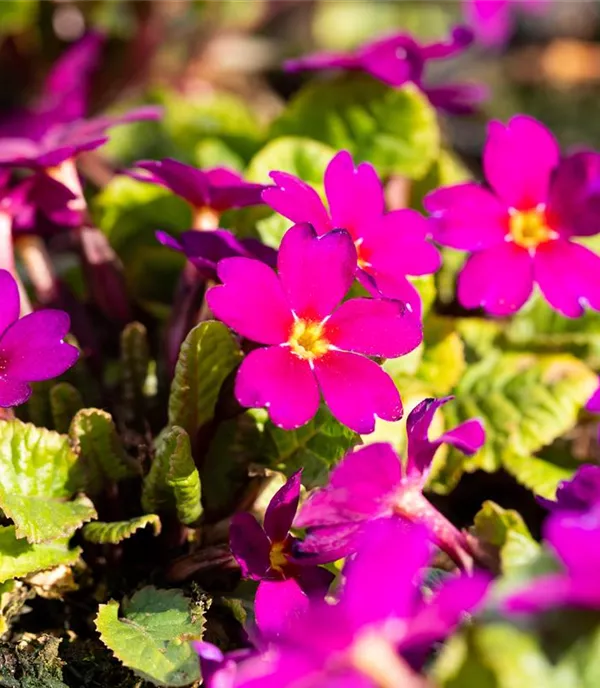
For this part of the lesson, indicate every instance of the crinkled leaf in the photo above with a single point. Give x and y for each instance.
(208, 355)
(65, 402)
(95, 439)
(152, 634)
(40, 476)
(315, 447)
(19, 558)
(135, 361)
(395, 129)
(113, 533)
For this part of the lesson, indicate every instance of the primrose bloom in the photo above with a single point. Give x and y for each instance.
(389, 245)
(32, 348)
(265, 553)
(521, 231)
(381, 614)
(209, 192)
(399, 59)
(580, 495)
(492, 20)
(312, 342)
(372, 483)
(575, 539)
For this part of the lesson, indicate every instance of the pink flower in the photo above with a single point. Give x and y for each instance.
(493, 20)
(389, 245)
(520, 231)
(310, 342)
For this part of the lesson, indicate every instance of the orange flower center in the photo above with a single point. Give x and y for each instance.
(307, 339)
(204, 218)
(363, 258)
(529, 228)
(277, 556)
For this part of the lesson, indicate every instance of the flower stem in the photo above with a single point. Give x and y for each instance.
(39, 268)
(7, 260)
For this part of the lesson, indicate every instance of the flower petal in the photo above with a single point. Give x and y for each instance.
(316, 272)
(457, 99)
(33, 348)
(355, 194)
(374, 327)
(249, 545)
(325, 544)
(185, 181)
(467, 217)
(251, 301)
(282, 508)
(491, 19)
(280, 381)
(544, 592)
(278, 605)
(10, 303)
(499, 279)
(357, 390)
(296, 200)
(569, 276)
(519, 159)
(13, 392)
(393, 59)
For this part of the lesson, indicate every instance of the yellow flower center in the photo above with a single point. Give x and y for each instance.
(204, 218)
(277, 556)
(529, 228)
(362, 257)
(307, 339)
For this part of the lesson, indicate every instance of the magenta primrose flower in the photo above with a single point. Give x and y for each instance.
(521, 231)
(265, 553)
(575, 539)
(390, 246)
(493, 20)
(381, 615)
(372, 483)
(399, 59)
(310, 341)
(579, 495)
(209, 192)
(32, 349)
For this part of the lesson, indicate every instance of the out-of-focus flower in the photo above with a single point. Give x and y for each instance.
(389, 245)
(218, 670)
(493, 20)
(311, 343)
(209, 192)
(205, 249)
(575, 538)
(371, 483)
(31, 348)
(581, 494)
(399, 59)
(358, 642)
(520, 232)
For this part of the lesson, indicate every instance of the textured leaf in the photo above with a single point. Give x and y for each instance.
(65, 402)
(152, 635)
(395, 129)
(19, 558)
(208, 355)
(113, 533)
(95, 439)
(40, 474)
(173, 482)
(315, 447)
(525, 402)
(447, 170)
(135, 361)
(443, 361)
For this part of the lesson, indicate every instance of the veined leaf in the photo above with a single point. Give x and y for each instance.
(135, 361)
(113, 533)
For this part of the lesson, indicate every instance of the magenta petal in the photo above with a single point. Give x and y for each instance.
(249, 545)
(374, 327)
(296, 200)
(544, 592)
(499, 279)
(461, 37)
(519, 159)
(10, 303)
(467, 217)
(33, 348)
(357, 390)
(569, 276)
(393, 59)
(457, 99)
(491, 20)
(251, 301)
(395, 287)
(280, 381)
(316, 271)
(13, 392)
(278, 605)
(323, 545)
(323, 60)
(355, 194)
(282, 509)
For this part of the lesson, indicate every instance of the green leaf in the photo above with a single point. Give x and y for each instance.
(135, 362)
(152, 636)
(173, 482)
(40, 474)
(95, 439)
(65, 402)
(315, 447)
(526, 402)
(208, 355)
(443, 361)
(19, 558)
(113, 533)
(447, 170)
(395, 129)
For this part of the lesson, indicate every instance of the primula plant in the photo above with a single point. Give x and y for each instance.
(299, 348)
